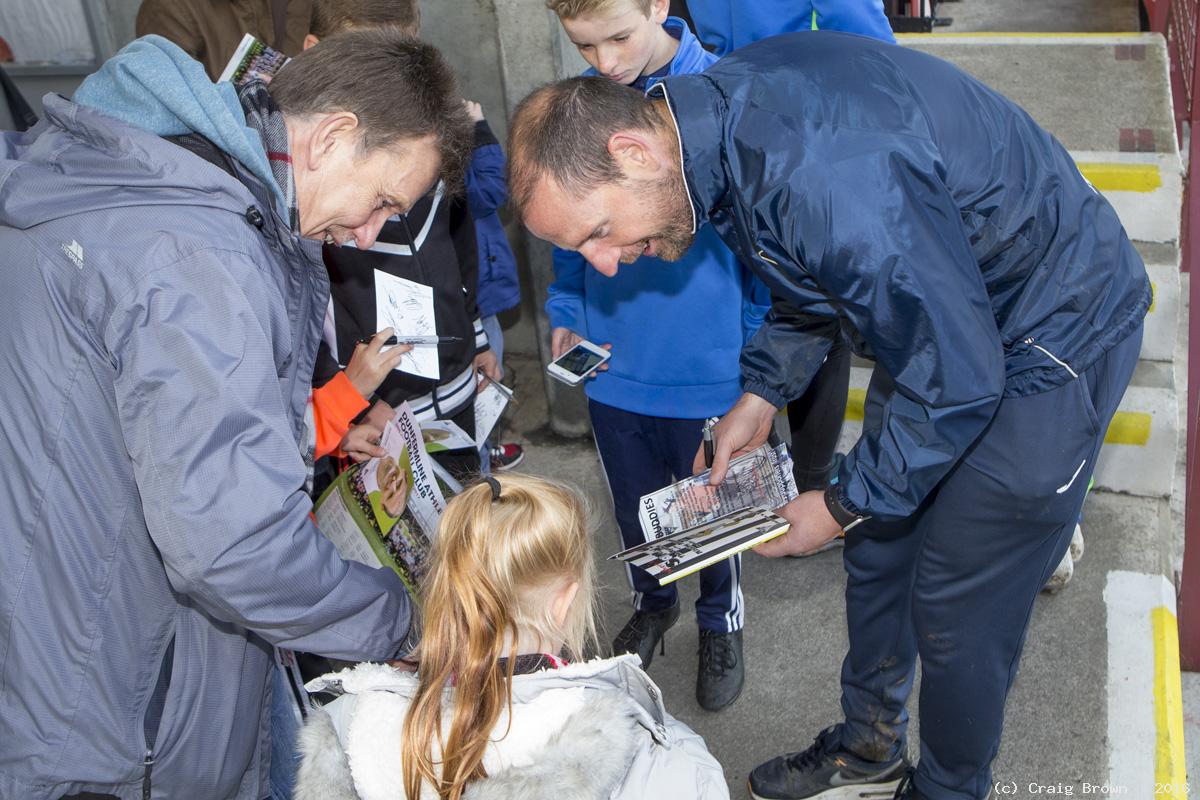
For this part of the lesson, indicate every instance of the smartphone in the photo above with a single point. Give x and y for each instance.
(577, 363)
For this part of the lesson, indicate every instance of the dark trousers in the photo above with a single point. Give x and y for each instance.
(641, 454)
(956, 582)
(815, 420)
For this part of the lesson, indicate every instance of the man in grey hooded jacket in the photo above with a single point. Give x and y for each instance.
(160, 246)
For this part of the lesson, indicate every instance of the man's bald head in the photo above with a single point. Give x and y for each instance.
(562, 131)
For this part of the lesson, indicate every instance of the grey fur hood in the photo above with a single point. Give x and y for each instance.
(584, 732)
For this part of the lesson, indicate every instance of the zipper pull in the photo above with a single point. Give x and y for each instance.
(148, 767)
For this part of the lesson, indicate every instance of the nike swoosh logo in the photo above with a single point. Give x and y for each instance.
(1067, 485)
(885, 789)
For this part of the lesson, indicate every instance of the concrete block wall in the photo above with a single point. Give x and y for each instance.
(502, 50)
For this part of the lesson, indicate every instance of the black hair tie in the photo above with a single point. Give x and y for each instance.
(495, 484)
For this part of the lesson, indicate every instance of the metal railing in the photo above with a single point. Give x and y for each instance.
(1179, 22)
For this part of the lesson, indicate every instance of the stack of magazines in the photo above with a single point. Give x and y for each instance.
(691, 524)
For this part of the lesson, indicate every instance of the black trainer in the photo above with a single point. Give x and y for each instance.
(722, 671)
(643, 633)
(826, 771)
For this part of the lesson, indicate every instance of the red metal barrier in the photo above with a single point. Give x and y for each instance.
(1179, 21)
(1189, 589)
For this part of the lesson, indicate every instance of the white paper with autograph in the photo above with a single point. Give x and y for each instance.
(407, 308)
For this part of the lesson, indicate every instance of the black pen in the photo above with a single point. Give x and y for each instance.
(412, 339)
(504, 390)
(708, 442)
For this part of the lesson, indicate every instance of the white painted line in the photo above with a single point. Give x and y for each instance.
(1144, 750)
(1034, 39)
(1119, 157)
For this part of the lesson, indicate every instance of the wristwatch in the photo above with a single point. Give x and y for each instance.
(844, 517)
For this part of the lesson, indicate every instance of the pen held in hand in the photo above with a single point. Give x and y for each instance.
(504, 390)
(708, 442)
(391, 340)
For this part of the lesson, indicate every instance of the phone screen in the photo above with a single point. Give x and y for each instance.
(579, 360)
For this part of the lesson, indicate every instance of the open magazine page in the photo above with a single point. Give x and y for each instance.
(490, 402)
(683, 552)
(444, 434)
(252, 59)
(761, 478)
(385, 511)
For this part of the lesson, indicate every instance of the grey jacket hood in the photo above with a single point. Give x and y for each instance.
(583, 732)
(123, 160)
(151, 84)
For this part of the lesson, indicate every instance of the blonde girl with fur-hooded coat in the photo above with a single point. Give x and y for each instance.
(596, 729)
(494, 712)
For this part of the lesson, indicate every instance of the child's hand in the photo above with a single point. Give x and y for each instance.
(361, 443)
(369, 366)
(563, 339)
(487, 363)
(474, 110)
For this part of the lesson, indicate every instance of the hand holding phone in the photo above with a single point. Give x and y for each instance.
(562, 340)
(578, 362)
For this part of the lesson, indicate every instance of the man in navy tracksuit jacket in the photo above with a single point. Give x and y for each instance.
(957, 244)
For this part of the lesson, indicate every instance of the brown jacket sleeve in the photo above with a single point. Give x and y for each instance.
(210, 30)
(172, 20)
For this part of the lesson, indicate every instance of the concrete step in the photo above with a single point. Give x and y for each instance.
(1106, 97)
(1160, 340)
(1139, 452)
(1086, 89)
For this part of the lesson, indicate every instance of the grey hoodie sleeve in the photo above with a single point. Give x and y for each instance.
(219, 470)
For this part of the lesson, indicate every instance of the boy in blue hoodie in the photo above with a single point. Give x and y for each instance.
(675, 339)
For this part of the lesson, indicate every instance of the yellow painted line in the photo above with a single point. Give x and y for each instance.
(855, 401)
(1153, 297)
(1170, 772)
(1129, 427)
(1117, 177)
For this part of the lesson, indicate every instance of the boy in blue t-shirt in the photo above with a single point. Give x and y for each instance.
(675, 340)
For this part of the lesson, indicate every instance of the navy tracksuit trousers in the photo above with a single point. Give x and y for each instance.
(641, 454)
(955, 583)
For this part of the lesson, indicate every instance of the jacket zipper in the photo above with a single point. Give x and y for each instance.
(148, 766)
(1033, 343)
